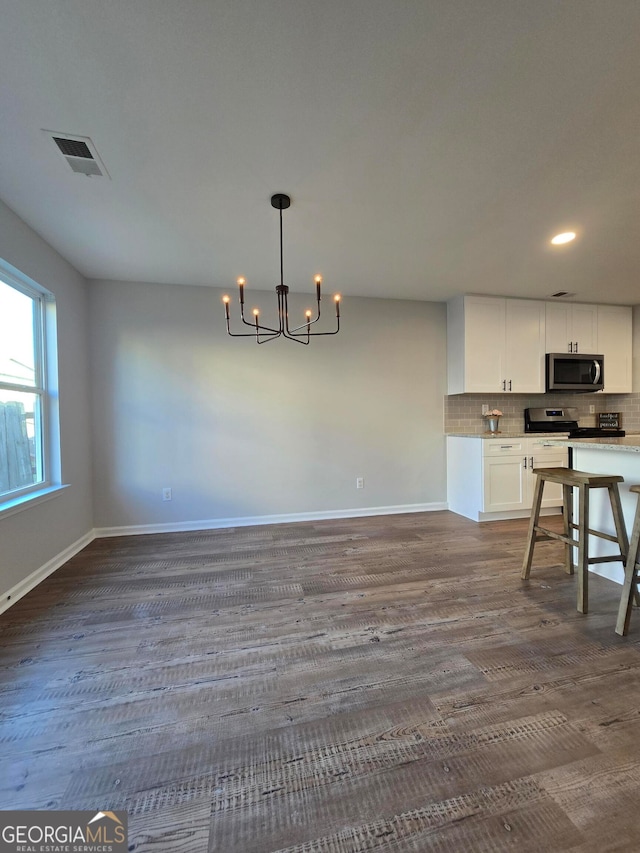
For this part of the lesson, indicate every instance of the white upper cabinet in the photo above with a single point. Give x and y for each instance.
(615, 339)
(495, 345)
(571, 327)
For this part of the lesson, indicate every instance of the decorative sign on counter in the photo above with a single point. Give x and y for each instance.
(610, 420)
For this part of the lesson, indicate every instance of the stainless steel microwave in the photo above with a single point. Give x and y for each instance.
(572, 371)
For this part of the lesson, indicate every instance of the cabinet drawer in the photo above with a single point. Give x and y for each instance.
(504, 447)
(538, 445)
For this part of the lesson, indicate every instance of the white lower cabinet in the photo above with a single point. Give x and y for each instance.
(493, 477)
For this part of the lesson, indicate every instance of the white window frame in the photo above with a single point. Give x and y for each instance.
(45, 387)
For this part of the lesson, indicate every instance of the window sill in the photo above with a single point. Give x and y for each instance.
(14, 505)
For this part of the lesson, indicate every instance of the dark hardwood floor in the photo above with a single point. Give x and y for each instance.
(384, 684)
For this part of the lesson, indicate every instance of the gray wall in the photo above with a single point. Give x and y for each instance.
(29, 539)
(244, 431)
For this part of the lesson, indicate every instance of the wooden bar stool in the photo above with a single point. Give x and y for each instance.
(630, 586)
(583, 482)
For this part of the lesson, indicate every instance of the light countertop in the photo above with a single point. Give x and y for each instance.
(507, 434)
(627, 443)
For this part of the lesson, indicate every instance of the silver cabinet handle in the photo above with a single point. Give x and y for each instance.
(525, 461)
(570, 345)
(576, 349)
(504, 384)
(509, 385)
(531, 458)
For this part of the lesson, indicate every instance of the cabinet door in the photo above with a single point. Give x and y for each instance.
(584, 328)
(558, 326)
(547, 458)
(504, 483)
(484, 325)
(525, 346)
(571, 326)
(615, 338)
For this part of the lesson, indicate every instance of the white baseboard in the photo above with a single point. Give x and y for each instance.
(516, 513)
(24, 586)
(250, 521)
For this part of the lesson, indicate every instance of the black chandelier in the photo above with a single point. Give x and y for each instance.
(301, 334)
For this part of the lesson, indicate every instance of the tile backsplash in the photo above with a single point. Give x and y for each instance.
(463, 412)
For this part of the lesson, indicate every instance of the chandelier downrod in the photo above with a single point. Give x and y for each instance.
(262, 334)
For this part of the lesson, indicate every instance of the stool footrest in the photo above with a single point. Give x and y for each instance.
(614, 558)
(548, 535)
(598, 533)
(552, 534)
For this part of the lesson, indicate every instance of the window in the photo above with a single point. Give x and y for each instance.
(25, 405)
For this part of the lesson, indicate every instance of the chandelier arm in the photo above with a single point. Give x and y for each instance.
(295, 338)
(242, 317)
(267, 338)
(236, 334)
(253, 325)
(305, 325)
(268, 329)
(272, 332)
(315, 334)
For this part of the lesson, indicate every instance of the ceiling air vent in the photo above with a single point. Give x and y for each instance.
(560, 293)
(79, 152)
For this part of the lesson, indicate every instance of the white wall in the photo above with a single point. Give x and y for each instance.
(244, 431)
(33, 537)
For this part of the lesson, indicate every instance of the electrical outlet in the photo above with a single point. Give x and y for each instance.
(592, 409)
(359, 482)
(485, 408)
(166, 494)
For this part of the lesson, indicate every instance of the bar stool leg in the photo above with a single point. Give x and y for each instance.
(630, 579)
(533, 521)
(583, 549)
(618, 519)
(567, 509)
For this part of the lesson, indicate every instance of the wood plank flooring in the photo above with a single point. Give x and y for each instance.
(376, 684)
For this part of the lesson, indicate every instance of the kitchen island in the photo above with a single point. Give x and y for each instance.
(607, 456)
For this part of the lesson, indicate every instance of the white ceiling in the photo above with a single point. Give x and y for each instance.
(430, 147)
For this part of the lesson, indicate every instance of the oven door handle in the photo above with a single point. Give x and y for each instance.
(596, 365)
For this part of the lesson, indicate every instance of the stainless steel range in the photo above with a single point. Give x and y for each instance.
(564, 420)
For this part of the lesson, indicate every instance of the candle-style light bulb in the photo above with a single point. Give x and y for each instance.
(337, 301)
(225, 299)
(241, 284)
(318, 281)
(307, 314)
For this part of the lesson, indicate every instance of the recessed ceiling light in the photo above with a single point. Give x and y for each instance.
(565, 237)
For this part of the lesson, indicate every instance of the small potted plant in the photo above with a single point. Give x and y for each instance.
(493, 420)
